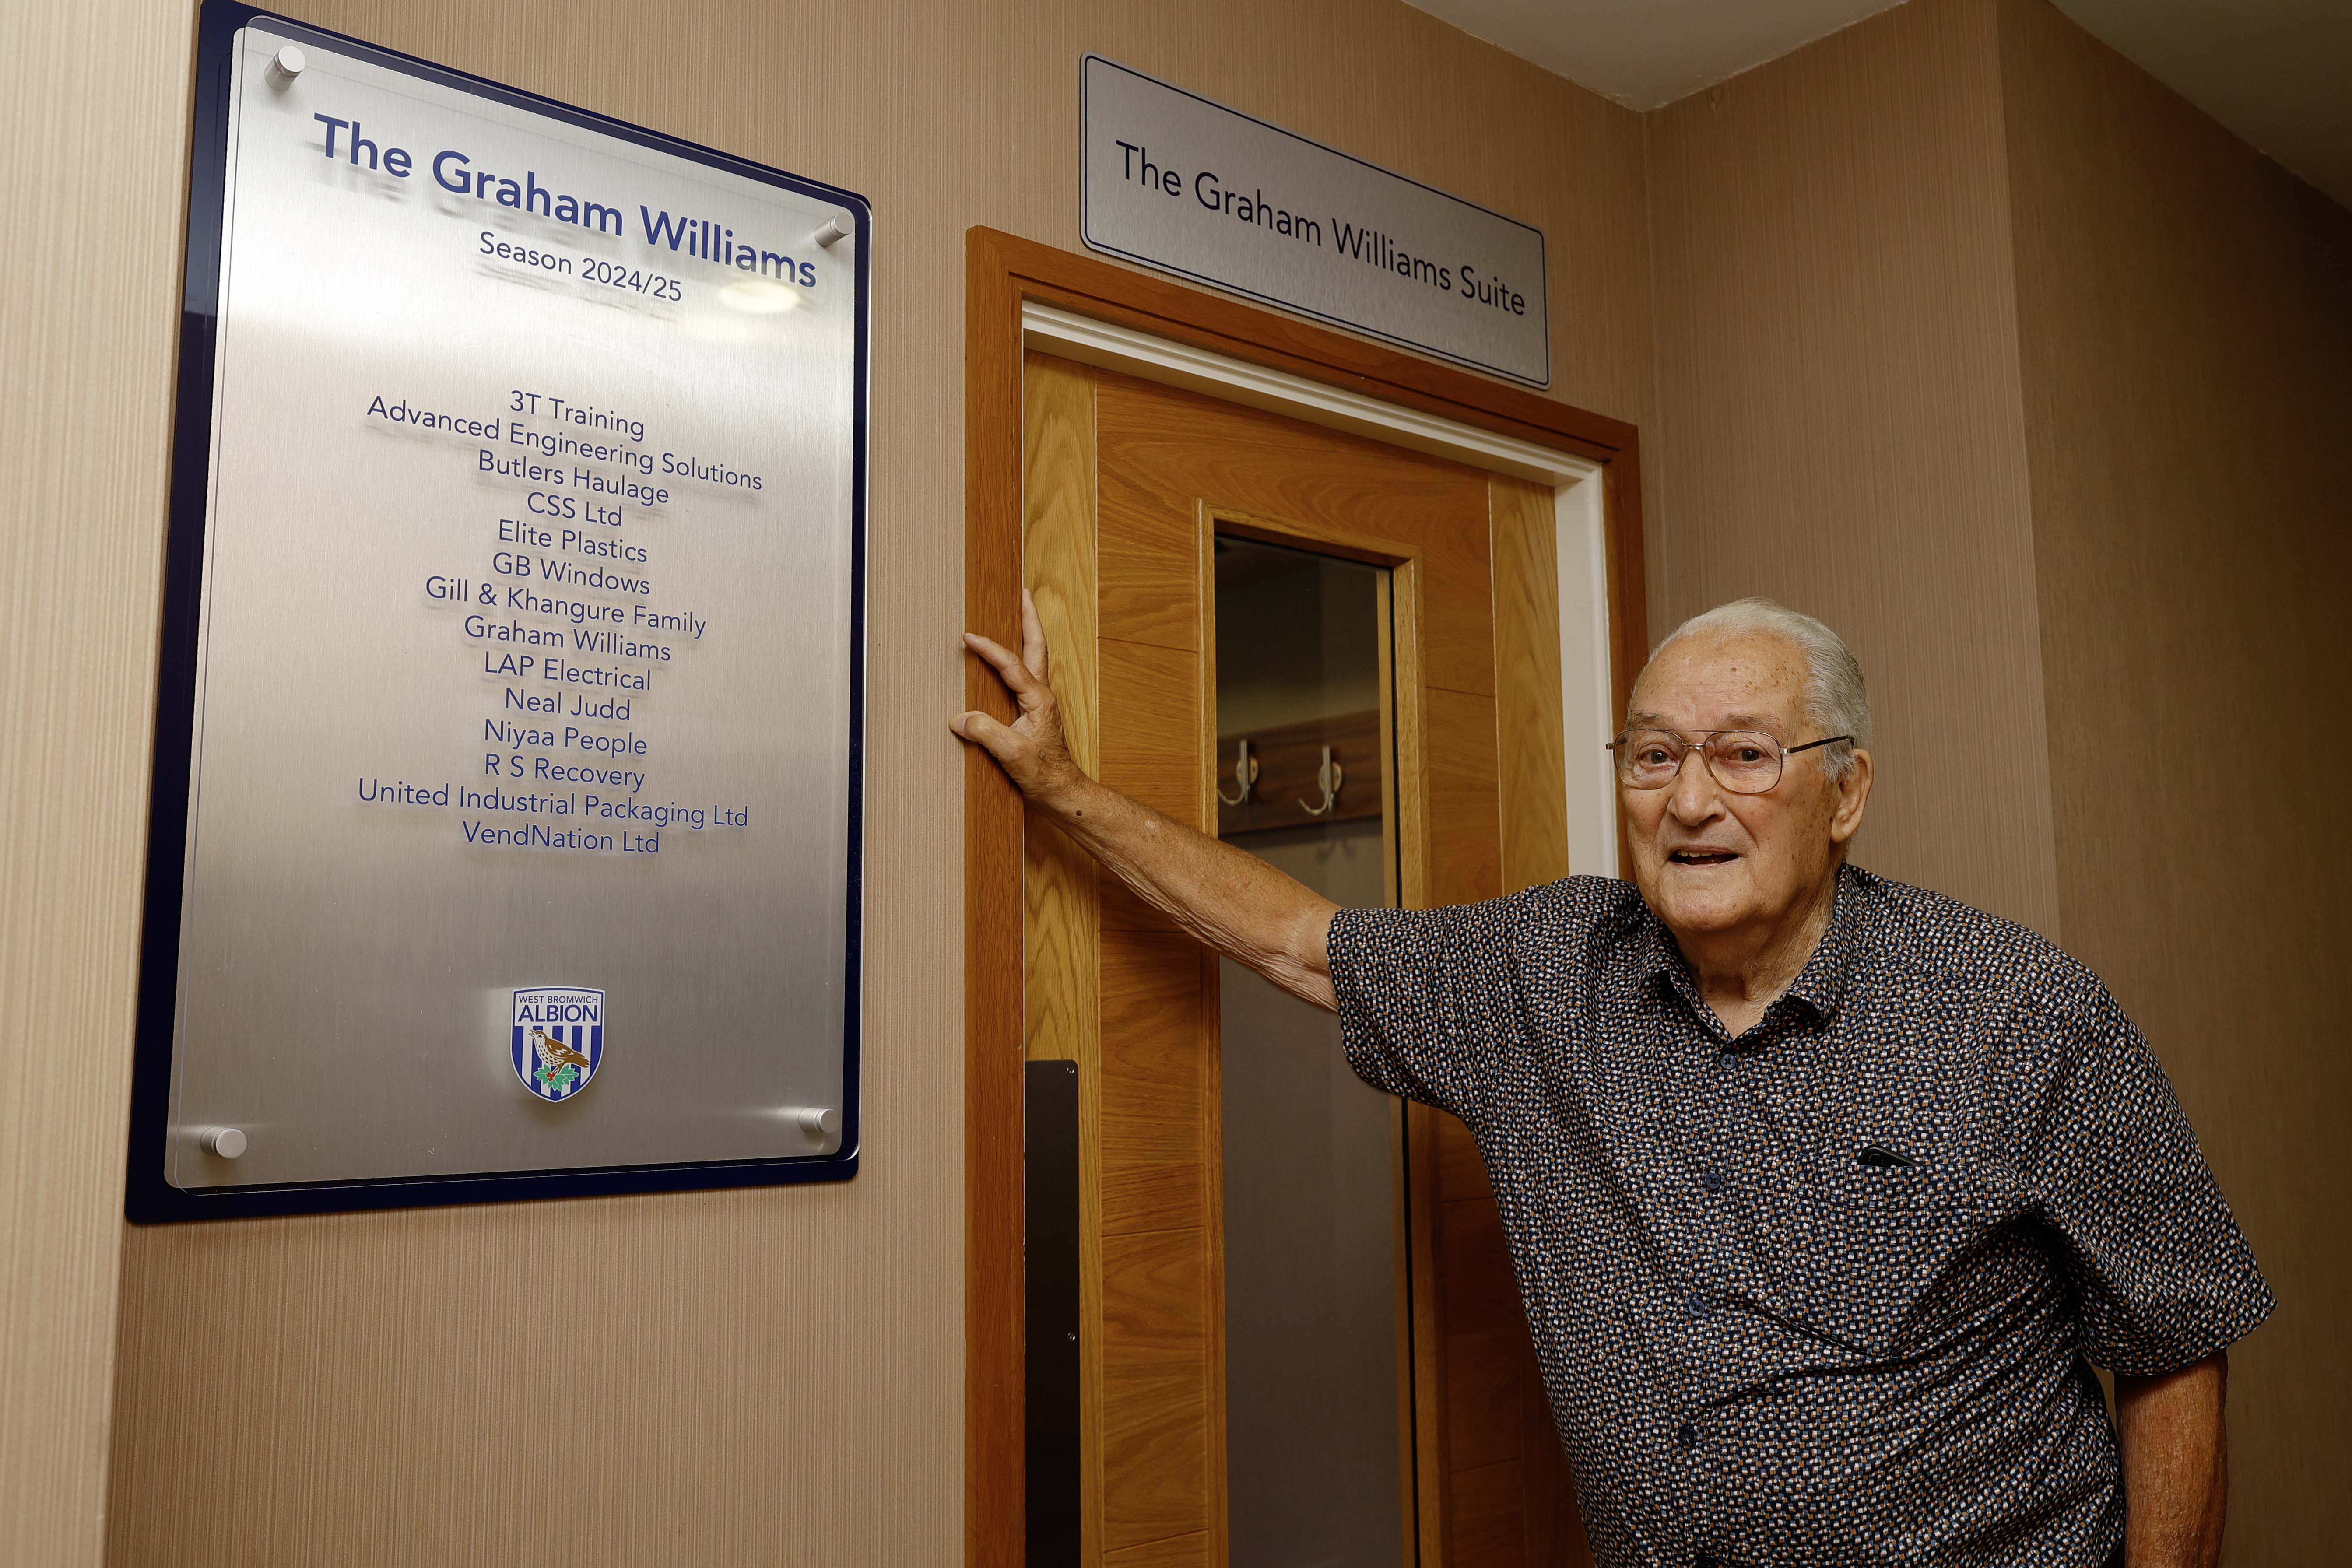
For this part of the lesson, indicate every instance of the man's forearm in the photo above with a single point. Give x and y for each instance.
(2175, 1465)
(1231, 901)
(1234, 902)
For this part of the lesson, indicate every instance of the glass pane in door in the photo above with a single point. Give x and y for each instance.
(1314, 1371)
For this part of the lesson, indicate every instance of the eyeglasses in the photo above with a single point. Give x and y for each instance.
(1745, 762)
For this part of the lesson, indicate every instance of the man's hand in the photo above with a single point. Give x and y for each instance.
(1233, 902)
(1030, 749)
(2175, 1465)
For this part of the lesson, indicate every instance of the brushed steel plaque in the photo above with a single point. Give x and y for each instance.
(1187, 186)
(522, 696)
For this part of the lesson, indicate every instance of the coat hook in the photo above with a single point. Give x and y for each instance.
(1329, 776)
(1245, 774)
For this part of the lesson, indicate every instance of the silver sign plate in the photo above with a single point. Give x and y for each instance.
(1189, 187)
(520, 792)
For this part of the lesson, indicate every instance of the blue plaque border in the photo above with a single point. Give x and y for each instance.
(148, 1197)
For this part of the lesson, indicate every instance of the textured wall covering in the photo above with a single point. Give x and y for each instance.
(87, 316)
(771, 1376)
(2185, 312)
(1839, 424)
(1976, 341)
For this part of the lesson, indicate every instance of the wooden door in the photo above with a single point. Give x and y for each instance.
(1127, 484)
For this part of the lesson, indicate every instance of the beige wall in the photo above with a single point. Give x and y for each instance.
(766, 1376)
(90, 173)
(1838, 416)
(2035, 382)
(2185, 308)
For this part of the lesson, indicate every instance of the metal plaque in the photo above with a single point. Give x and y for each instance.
(1189, 187)
(506, 825)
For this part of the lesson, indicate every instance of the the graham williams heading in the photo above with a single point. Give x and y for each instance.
(455, 172)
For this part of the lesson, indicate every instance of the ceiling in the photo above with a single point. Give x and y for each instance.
(2277, 72)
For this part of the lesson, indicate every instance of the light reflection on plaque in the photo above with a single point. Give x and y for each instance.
(507, 788)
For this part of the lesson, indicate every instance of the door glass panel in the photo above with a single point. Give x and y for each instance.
(1313, 1193)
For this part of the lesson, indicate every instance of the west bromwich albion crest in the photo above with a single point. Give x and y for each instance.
(558, 1039)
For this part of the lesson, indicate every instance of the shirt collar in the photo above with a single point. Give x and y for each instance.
(1655, 957)
(1820, 985)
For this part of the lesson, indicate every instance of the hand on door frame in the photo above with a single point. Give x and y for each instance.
(1228, 900)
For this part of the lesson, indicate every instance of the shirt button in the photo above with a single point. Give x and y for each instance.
(1707, 1560)
(1712, 1180)
(1697, 1305)
(1687, 1434)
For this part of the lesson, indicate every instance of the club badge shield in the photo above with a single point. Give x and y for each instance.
(558, 1039)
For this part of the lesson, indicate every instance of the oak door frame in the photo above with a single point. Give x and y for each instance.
(1002, 272)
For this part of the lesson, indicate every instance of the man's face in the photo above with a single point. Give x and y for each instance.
(1709, 861)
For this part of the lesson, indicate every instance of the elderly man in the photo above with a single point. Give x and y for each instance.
(1826, 1193)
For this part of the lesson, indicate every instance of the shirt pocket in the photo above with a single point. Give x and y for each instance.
(1861, 1249)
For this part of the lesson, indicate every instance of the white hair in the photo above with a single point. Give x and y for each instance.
(1835, 698)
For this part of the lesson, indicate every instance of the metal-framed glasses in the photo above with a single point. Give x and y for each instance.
(1745, 762)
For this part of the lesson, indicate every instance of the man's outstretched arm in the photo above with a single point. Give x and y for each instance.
(1233, 902)
(2175, 1465)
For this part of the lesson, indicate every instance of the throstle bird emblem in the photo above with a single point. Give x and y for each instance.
(555, 1058)
(558, 1039)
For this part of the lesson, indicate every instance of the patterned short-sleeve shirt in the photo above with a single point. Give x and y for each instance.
(1829, 1292)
